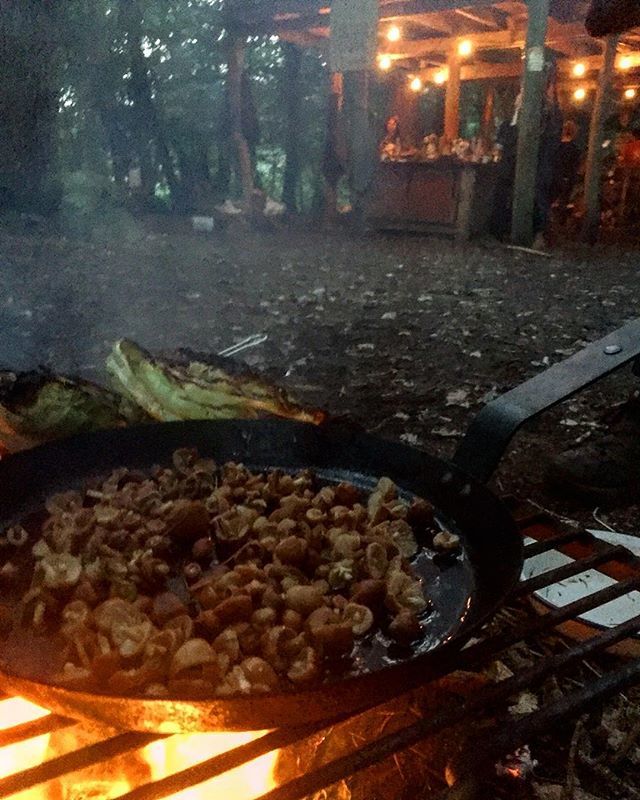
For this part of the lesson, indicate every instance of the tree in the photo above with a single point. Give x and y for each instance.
(28, 103)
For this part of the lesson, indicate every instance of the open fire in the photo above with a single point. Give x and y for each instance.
(154, 762)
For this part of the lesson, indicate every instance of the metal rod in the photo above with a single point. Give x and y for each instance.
(37, 727)
(482, 651)
(544, 545)
(382, 748)
(78, 759)
(574, 568)
(509, 734)
(217, 765)
(245, 344)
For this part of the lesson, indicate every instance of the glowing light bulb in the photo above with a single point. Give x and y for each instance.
(416, 85)
(626, 62)
(580, 94)
(579, 69)
(385, 62)
(394, 33)
(465, 48)
(440, 77)
(629, 94)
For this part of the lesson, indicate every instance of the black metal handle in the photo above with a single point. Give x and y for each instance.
(493, 428)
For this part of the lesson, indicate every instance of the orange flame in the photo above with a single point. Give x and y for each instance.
(180, 752)
(164, 758)
(25, 754)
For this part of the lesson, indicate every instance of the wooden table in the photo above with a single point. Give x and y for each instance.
(446, 196)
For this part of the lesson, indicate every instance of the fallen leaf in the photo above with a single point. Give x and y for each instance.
(458, 397)
(526, 704)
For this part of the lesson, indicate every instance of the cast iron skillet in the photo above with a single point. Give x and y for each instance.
(464, 594)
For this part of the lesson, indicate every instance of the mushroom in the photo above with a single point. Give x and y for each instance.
(304, 599)
(359, 617)
(259, 673)
(291, 550)
(376, 560)
(446, 542)
(193, 653)
(188, 520)
(403, 537)
(236, 608)
(305, 668)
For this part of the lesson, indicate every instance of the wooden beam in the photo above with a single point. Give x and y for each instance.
(452, 98)
(258, 12)
(593, 174)
(529, 122)
(478, 72)
(491, 40)
(482, 17)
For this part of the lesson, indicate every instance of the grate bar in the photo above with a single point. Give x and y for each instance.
(217, 765)
(509, 734)
(382, 748)
(484, 650)
(37, 727)
(78, 759)
(573, 568)
(544, 545)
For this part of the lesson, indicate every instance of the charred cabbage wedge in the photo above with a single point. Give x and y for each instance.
(194, 386)
(37, 406)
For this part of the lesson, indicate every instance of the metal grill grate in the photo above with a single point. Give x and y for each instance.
(491, 701)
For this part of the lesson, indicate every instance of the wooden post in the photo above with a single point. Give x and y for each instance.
(593, 173)
(487, 124)
(236, 67)
(335, 151)
(452, 99)
(361, 140)
(529, 124)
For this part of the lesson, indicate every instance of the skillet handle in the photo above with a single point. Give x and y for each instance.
(493, 428)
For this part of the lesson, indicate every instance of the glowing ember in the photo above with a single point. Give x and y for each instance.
(29, 753)
(180, 752)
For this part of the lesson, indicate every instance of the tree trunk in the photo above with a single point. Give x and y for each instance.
(148, 128)
(335, 151)
(593, 172)
(291, 99)
(529, 124)
(236, 68)
(28, 105)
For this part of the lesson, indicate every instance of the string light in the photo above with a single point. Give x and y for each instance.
(626, 62)
(394, 34)
(440, 77)
(580, 94)
(465, 48)
(579, 69)
(385, 63)
(416, 85)
(629, 94)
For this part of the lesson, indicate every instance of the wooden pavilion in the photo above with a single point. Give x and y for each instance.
(453, 41)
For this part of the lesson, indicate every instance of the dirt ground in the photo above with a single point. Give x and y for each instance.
(408, 335)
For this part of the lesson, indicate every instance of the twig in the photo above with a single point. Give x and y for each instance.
(529, 250)
(566, 520)
(570, 781)
(601, 521)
